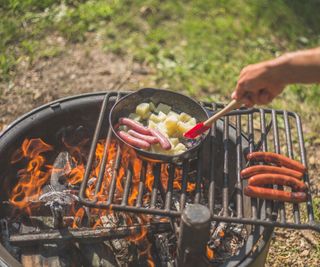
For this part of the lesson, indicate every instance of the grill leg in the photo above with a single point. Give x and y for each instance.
(193, 236)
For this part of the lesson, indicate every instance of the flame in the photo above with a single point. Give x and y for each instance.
(34, 176)
(210, 253)
(37, 173)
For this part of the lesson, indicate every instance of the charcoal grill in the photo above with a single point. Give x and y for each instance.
(216, 172)
(266, 213)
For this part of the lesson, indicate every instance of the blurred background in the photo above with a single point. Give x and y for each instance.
(53, 48)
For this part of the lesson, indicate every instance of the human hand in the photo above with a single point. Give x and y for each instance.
(259, 83)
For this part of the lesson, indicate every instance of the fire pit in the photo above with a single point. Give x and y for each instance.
(71, 196)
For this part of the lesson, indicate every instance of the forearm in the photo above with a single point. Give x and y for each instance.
(298, 67)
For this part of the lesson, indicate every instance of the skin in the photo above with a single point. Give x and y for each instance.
(260, 83)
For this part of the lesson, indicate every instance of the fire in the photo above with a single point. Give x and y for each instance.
(36, 155)
(210, 253)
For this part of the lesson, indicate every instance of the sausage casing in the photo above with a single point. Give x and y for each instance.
(277, 159)
(133, 140)
(278, 179)
(134, 125)
(164, 142)
(273, 194)
(260, 169)
(148, 138)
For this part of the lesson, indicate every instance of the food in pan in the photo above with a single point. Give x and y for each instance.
(159, 126)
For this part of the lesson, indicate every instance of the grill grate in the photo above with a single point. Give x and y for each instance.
(282, 134)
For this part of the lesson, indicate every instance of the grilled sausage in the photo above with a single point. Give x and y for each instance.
(260, 169)
(279, 179)
(277, 159)
(148, 138)
(272, 194)
(164, 142)
(134, 125)
(133, 141)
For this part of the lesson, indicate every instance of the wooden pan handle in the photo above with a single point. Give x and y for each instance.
(234, 104)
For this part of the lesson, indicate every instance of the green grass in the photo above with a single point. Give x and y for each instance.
(196, 47)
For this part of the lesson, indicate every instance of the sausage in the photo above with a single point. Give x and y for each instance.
(134, 125)
(148, 138)
(279, 179)
(133, 140)
(277, 159)
(273, 194)
(164, 142)
(260, 169)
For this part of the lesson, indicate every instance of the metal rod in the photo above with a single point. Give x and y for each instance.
(225, 186)
(115, 172)
(239, 167)
(95, 138)
(141, 183)
(169, 187)
(197, 196)
(127, 185)
(211, 193)
(296, 211)
(183, 196)
(251, 149)
(104, 157)
(265, 208)
(155, 186)
(87, 235)
(304, 162)
(276, 141)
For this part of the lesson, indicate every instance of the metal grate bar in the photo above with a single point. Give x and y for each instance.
(279, 205)
(251, 148)
(197, 196)
(185, 170)
(304, 162)
(265, 208)
(296, 211)
(114, 176)
(127, 185)
(225, 186)
(155, 186)
(239, 166)
(211, 193)
(169, 187)
(141, 183)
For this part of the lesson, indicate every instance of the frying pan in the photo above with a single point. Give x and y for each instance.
(178, 102)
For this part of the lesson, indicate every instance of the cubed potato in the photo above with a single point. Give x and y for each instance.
(143, 110)
(152, 124)
(183, 127)
(163, 107)
(134, 116)
(163, 129)
(184, 117)
(173, 114)
(154, 118)
(180, 148)
(171, 124)
(174, 141)
(192, 122)
(162, 116)
(152, 106)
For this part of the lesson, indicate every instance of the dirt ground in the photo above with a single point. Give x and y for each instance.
(86, 68)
